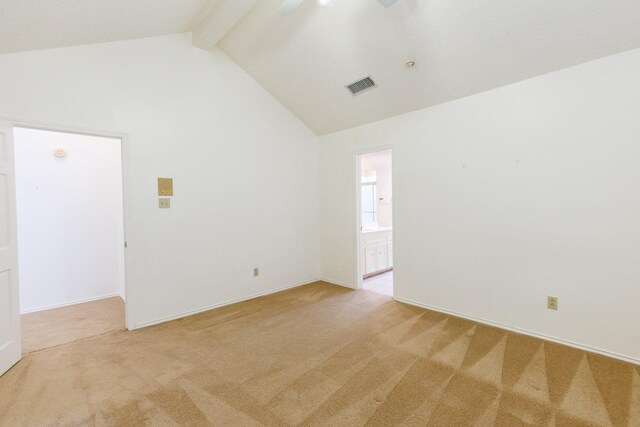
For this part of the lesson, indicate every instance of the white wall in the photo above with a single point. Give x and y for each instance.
(70, 220)
(508, 196)
(245, 169)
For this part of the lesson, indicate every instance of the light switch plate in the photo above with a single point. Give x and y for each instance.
(165, 186)
(164, 203)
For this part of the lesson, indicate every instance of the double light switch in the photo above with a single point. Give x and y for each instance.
(165, 188)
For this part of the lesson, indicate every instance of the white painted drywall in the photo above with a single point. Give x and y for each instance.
(245, 169)
(70, 220)
(505, 197)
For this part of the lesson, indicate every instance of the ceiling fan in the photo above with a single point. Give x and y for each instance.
(289, 6)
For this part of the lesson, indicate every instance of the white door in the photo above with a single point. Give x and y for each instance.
(9, 302)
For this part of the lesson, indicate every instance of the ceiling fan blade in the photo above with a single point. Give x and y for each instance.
(387, 3)
(288, 6)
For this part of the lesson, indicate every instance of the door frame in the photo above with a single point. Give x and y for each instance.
(126, 202)
(358, 183)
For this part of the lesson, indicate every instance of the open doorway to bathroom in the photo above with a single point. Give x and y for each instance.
(70, 236)
(376, 221)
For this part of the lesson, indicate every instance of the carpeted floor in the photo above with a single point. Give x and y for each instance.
(63, 325)
(319, 355)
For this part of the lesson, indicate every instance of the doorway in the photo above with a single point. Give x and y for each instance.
(375, 219)
(70, 221)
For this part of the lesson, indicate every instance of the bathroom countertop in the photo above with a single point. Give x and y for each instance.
(375, 229)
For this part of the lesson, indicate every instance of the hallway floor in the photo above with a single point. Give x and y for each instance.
(57, 326)
(381, 283)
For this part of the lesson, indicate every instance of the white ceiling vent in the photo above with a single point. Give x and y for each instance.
(361, 85)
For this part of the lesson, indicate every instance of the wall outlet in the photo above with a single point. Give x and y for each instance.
(552, 303)
(164, 203)
(256, 272)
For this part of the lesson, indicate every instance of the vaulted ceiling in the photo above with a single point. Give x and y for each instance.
(460, 47)
(305, 59)
(45, 24)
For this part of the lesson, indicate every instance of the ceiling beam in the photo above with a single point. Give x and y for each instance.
(220, 19)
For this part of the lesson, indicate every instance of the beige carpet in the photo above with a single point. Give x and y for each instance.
(63, 325)
(319, 355)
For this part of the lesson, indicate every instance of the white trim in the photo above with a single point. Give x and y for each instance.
(124, 148)
(66, 304)
(222, 304)
(337, 283)
(33, 124)
(128, 297)
(618, 356)
(359, 249)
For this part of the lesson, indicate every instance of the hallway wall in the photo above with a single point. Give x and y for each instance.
(70, 220)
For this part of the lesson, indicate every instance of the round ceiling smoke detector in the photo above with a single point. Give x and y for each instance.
(410, 64)
(60, 153)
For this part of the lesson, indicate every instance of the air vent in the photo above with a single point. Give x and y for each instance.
(361, 85)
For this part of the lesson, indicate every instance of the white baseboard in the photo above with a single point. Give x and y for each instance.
(335, 282)
(66, 304)
(211, 307)
(525, 332)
